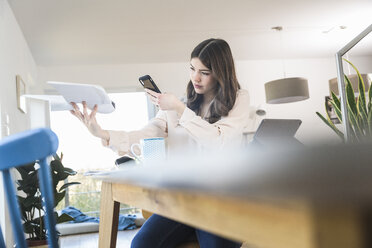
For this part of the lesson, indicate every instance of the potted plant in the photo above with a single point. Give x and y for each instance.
(360, 111)
(30, 200)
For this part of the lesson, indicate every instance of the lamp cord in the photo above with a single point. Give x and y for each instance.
(279, 29)
(281, 51)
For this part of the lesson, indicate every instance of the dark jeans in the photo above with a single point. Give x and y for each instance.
(160, 232)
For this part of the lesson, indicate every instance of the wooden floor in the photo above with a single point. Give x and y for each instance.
(90, 240)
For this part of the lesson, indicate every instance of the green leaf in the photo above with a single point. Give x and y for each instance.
(336, 100)
(30, 184)
(31, 201)
(363, 118)
(354, 125)
(56, 157)
(20, 199)
(56, 166)
(28, 227)
(67, 185)
(55, 180)
(30, 181)
(350, 97)
(331, 125)
(369, 96)
(21, 205)
(58, 197)
(370, 118)
(362, 106)
(362, 96)
(63, 176)
(69, 171)
(337, 110)
(60, 172)
(26, 169)
(361, 85)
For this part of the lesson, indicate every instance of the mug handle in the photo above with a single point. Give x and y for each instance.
(137, 156)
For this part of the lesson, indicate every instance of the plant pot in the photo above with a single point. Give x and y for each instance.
(37, 243)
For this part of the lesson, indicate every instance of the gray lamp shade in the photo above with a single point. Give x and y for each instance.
(286, 90)
(333, 85)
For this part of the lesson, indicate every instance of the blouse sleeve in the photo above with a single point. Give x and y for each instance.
(121, 141)
(222, 132)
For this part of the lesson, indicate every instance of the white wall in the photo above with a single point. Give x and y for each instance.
(170, 77)
(15, 58)
(252, 75)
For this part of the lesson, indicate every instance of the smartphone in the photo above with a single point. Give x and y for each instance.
(148, 83)
(122, 160)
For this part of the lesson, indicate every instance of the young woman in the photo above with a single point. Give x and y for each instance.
(215, 113)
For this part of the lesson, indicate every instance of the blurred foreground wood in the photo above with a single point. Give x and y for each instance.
(302, 198)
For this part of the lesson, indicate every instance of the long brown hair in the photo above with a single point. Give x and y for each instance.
(216, 55)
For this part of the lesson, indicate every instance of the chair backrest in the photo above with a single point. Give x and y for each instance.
(20, 149)
(26, 147)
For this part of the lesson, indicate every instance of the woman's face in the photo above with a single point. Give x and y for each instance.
(201, 77)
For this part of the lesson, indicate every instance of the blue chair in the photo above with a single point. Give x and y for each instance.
(20, 149)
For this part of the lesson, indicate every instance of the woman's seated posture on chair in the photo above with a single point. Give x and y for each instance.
(213, 117)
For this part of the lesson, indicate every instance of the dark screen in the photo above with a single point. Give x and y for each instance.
(147, 84)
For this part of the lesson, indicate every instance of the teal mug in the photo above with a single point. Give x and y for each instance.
(150, 149)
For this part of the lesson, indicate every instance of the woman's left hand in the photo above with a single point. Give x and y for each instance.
(166, 101)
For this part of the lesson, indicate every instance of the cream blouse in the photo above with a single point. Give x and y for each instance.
(188, 131)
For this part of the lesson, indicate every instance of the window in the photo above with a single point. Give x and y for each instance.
(82, 152)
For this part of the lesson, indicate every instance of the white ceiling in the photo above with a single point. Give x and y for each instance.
(70, 32)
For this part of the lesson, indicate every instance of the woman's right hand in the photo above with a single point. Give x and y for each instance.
(90, 120)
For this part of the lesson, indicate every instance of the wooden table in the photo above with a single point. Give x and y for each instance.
(289, 198)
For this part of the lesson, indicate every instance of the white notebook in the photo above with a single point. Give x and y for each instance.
(91, 94)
